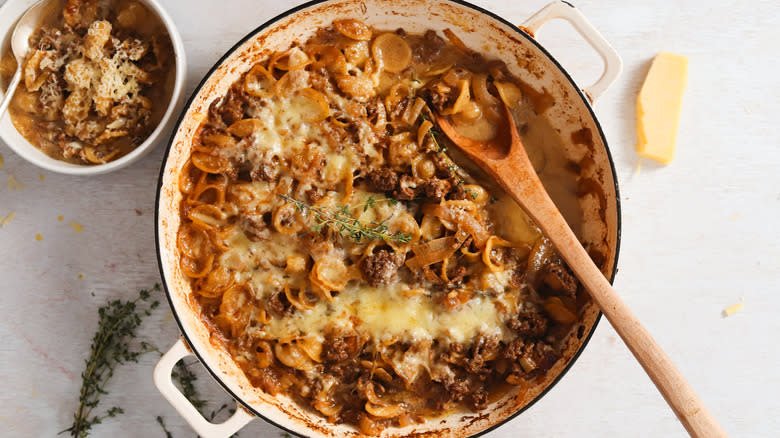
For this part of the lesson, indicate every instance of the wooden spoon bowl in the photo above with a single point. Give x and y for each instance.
(504, 158)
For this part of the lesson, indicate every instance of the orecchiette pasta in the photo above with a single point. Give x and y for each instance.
(345, 258)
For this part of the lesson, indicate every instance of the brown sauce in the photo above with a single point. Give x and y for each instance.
(96, 82)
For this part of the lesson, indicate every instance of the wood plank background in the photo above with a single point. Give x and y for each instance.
(698, 235)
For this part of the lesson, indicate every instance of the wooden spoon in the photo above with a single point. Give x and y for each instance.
(512, 169)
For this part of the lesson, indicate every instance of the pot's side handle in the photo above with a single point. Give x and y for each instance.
(613, 65)
(164, 384)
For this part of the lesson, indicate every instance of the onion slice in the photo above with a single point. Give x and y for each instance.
(432, 252)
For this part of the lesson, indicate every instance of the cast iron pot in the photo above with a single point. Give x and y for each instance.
(572, 115)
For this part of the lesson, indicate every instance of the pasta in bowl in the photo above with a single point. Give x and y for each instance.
(346, 262)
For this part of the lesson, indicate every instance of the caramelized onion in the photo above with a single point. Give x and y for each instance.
(432, 252)
(464, 220)
(558, 311)
(510, 94)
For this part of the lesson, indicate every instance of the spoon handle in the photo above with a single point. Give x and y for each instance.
(10, 91)
(522, 183)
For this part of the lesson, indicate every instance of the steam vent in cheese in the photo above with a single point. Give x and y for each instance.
(658, 107)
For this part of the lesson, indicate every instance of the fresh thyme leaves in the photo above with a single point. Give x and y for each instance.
(341, 220)
(371, 202)
(160, 421)
(451, 166)
(432, 132)
(111, 346)
(186, 379)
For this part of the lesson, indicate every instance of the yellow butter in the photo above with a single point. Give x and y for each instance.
(658, 107)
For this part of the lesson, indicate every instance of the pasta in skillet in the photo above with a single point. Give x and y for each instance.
(339, 252)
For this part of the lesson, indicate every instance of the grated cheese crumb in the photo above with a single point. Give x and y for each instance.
(14, 184)
(80, 276)
(76, 227)
(638, 168)
(7, 219)
(42, 177)
(1, 161)
(38, 237)
(732, 309)
(59, 218)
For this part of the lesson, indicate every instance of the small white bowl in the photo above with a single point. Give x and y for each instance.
(10, 12)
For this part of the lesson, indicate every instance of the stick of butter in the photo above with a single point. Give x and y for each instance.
(658, 107)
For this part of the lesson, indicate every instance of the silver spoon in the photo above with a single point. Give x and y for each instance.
(20, 45)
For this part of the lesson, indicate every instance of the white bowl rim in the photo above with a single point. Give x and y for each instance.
(22, 147)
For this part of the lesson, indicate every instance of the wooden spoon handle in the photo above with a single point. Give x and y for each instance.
(522, 183)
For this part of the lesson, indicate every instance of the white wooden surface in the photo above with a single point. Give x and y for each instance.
(698, 236)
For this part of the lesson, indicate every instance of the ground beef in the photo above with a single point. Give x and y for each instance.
(439, 95)
(514, 350)
(458, 390)
(456, 275)
(431, 46)
(435, 189)
(484, 350)
(279, 304)
(264, 172)
(443, 167)
(380, 267)
(478, 400)
(454, 354)
(529, 325)
(314, 195)
(231, 109)
(383, 180)
(538, 353)
(457, 192)
(347, 371)
(560, 280)
(254, 226)
(340, 346)
(517, 277)
(407, 188)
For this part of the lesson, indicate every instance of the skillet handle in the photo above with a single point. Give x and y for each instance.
(613, 65)
(164, 384)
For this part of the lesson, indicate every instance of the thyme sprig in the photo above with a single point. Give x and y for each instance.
(342, 220)
(161, 422)
(441, 151)
(186, 379)
(112, 345)
(184, 376)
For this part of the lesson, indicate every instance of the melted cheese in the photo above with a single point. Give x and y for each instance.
(385, 313)
(282, 132)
